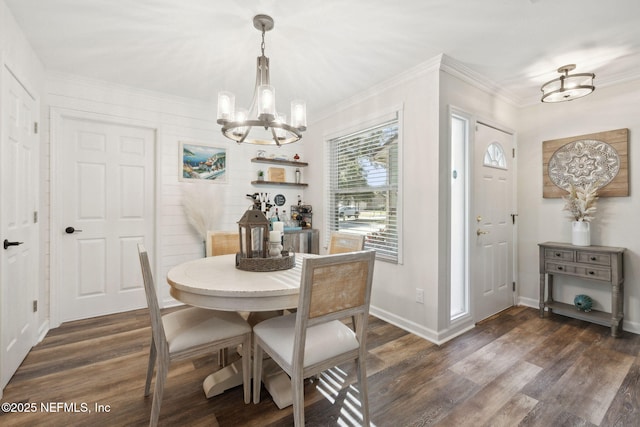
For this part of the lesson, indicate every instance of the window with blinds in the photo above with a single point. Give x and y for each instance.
(363, 175)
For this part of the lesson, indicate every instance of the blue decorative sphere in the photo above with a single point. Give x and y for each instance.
(583, 302)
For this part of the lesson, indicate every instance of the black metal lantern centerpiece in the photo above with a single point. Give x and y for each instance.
(253, 230)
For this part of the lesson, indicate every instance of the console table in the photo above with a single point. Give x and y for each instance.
(602, 264)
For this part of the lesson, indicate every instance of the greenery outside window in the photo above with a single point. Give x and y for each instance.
(363, 186)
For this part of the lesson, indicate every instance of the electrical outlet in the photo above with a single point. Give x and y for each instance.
(420, 295)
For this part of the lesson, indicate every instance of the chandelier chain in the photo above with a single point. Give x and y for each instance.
(262, 44)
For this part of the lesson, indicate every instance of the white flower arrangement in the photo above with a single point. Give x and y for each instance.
(580, 203)
(202, 206)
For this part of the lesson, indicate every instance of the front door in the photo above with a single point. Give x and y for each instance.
(106, 194)
(18, 224)
(491, 235)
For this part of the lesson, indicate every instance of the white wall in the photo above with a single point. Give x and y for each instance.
(424, 93)
(175, 119)
(393, 296)
(543, 219)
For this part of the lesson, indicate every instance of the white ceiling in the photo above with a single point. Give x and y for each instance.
(328, 50)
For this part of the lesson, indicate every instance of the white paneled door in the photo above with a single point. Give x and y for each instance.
(18, 225)
(491, 275)
(106, 194)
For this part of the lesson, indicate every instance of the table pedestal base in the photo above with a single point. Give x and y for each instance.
(275, 380)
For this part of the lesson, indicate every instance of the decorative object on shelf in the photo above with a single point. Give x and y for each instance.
(298, 173)
(568, 87)
(260, 175)
(583, 302)
(265, 125)
(581, 205)
(202, 162)
(302, 215)
(296, 157)
(600, 158)
(276, 174)
(261, 154)
(255, 248)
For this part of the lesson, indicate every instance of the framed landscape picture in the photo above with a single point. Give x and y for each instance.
(202, 162)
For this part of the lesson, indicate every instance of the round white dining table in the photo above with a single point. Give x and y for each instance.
(216, 283)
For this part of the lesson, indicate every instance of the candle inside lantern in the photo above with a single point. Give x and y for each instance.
(274, 236)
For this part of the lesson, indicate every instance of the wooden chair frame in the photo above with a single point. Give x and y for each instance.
(332, 288)
(345, 242)
(159, 349)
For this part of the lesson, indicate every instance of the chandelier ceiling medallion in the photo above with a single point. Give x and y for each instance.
(261, 124)
(568, 87)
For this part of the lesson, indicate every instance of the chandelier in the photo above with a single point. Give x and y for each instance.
(261, 124)
(568, 87)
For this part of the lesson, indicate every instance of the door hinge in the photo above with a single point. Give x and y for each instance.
(35, 305)
(35, 127)
(35, 217)
(513, 287)
(513, 153)
(513, 218)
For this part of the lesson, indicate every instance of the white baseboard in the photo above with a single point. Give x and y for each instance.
(43, 330)
(430, 335)
(529, 302)
(405, 324)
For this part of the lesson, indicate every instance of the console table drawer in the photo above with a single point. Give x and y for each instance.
(593, 273)
(594, 258)
(560, 254)
(552, 267)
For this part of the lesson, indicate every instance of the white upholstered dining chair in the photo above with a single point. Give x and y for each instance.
(187, 333)
(345, 242)
(313, 339)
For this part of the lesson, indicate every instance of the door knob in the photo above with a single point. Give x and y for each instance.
(481, 232)
(71, 230)
(8, 243)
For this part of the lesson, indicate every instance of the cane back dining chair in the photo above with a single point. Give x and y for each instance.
(186, 333)
(345, 242)
(222, 243)
(314, 339)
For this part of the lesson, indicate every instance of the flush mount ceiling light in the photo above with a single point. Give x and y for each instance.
(568, 87)
(261, 124)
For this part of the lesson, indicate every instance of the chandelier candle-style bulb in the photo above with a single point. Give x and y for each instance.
(240, 117)
(226, 105)
(280, 132)
(266, 101)
(299, 114)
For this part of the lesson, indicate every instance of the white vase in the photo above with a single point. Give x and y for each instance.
(581, 233)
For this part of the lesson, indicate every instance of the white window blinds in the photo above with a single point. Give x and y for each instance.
(363, 186)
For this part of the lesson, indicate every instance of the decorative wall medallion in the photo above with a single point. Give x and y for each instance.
(582, 162)
(599, 157)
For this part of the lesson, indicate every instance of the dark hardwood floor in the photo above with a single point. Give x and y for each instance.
(513, 369)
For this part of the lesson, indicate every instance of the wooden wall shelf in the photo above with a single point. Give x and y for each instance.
(279, 162)
(291, 184)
